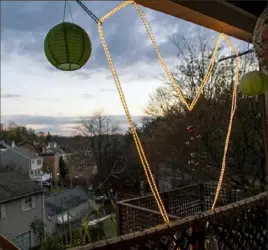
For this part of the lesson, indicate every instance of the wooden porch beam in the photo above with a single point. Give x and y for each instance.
(216, 15)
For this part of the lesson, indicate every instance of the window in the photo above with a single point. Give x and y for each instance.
(37, 172)
(2, 212)
(23, 241)
(39, 162)
(27, 203)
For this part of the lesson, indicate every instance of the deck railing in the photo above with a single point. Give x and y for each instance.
(142, 212)
(240, 225)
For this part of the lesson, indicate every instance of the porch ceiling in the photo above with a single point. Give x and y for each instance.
(234, 18)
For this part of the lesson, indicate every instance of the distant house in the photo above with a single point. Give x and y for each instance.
(169, 179)
(23, 161)
(51, 154)
(72, 204)
(34, 147)
(53, 148)
(21, 201)
(81, 170)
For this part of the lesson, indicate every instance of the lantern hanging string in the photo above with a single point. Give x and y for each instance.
(64, 11)
(66, 4)
(70, 12)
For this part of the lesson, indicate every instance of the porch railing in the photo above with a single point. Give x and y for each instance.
(142, 212)
(240, 225)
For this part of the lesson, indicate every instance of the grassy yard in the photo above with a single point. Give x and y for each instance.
(54, 190)
(109, 226)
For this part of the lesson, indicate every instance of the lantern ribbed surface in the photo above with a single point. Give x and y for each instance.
(260, 40)
(67, 46)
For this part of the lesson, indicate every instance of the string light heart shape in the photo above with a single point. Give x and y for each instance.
(189, 106)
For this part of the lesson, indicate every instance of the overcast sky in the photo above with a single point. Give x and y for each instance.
(33, 93)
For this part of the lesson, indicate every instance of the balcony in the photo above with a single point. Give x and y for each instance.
(237, 222)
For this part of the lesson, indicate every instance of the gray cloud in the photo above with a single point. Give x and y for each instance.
(10, 96)
(25, 24)
(39, 120)
(53, 124)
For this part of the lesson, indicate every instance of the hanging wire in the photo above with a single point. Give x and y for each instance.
(66, 4)
(90, 13)
(70, 12)
(64, 11)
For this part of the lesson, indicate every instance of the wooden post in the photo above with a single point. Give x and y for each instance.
(265, 117)
(202, 198)
(118, 218)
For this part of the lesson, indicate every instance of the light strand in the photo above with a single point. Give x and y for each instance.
(145, 164)
(132, 127)
(139, 147)
(201, 87)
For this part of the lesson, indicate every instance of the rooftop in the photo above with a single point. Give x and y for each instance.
(13, 186)
(71, 198)
(32, 144)
(54, 151)
(25, 152)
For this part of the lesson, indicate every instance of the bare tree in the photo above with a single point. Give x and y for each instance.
(103, 142)
(199, 153)
(161, 102)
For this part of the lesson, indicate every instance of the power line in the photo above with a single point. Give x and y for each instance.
(234, 56)
(89, 12)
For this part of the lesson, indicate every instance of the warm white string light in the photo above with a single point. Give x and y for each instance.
(190, 106)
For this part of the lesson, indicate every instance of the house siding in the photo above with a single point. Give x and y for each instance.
(17, 222)
(29, 147)
(21, 163)
(35, 165)
(52, 162)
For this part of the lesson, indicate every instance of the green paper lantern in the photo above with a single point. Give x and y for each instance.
(67, 46)
(254, 83)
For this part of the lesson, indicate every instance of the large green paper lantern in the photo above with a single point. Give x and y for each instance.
(67, 46)
(254, 83)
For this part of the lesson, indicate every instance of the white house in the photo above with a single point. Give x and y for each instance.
(22, 160)
(21, 202)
